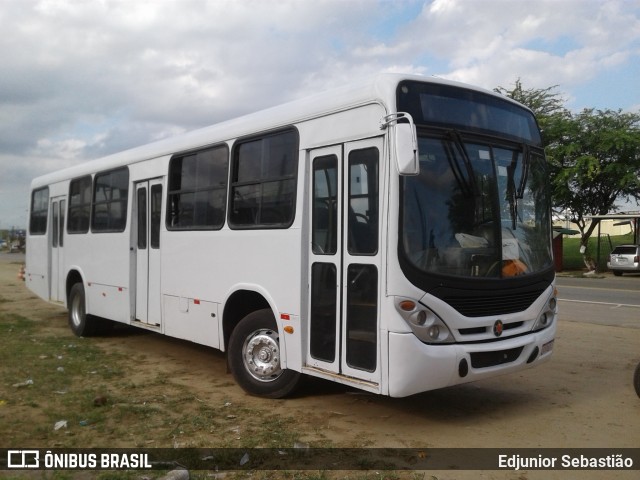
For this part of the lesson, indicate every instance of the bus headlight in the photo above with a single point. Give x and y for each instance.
(548, 313)
(420, 318)
(424, 323)
(434, 332)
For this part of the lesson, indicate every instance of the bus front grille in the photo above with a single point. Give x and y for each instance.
(488, 304)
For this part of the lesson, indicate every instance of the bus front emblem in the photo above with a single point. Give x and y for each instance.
(497, 328)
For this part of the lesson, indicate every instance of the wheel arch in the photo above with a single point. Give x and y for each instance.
(73, 276)
(239, 303)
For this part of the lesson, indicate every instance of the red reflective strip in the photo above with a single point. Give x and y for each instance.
(120, 289)
(196, 301)
(285, 316)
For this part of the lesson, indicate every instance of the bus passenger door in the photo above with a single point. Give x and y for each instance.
(325, 259)
(56, 250)
(146, 245)
(345, 260)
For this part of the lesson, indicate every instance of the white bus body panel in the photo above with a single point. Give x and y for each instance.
(37, 258)
(107, 274)
(210, 266)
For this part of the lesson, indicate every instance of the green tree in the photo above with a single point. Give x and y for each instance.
(594, 155)
(595, 163)
(544, 102)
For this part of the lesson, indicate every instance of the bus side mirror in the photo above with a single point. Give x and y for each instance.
(405, 142)
(407, 149)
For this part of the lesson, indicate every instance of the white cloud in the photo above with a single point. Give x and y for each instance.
(493, 42)
(64, 149)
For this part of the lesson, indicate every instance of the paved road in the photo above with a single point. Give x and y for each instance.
(610, 300)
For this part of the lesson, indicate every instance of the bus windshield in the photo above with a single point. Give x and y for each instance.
(478, 208)
(480, 205)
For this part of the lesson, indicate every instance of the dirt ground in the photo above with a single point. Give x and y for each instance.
(582, 398)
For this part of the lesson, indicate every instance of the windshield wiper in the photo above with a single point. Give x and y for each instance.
(513, 193)
(526, 158)
(467, 182)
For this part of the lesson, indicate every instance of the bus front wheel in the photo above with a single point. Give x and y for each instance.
(82, 325)
(255, 360)
(636, 380)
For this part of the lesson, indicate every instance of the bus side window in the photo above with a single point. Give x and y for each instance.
(110, 198)
(263, 181)
(198, 190)
(79, 205)
(39, 211)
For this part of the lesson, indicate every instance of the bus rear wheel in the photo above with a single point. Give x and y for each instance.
(255, 360)
(636, 380)
(82, 325)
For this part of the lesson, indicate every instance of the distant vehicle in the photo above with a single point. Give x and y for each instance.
(624, 258)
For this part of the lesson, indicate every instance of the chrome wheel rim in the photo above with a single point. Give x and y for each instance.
(261, 355)
(77, 310)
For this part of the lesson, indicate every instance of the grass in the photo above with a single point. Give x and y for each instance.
(61, 380)
(54, 380)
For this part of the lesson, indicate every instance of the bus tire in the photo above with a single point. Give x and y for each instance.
(82, 325)
(636, 380)
(254, 357)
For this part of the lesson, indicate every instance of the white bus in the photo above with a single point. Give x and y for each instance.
(392, 235)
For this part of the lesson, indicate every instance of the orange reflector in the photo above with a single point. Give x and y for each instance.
(407, 305)
(285, 316)
(288, 329)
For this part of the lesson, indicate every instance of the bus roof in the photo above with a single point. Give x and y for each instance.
(380, 88)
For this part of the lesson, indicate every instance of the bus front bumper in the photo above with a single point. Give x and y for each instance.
(415, 367)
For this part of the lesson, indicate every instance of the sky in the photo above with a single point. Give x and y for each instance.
(83, 79)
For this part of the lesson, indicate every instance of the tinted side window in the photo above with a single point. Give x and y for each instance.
(263, 183)
(363, 202)
(39, 210)
(55, 224)
(62, 212)
(156, 206)
(110, 196)
(324, 218)
(198, 190)
(79, 205)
